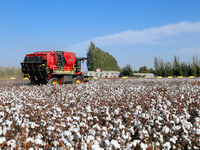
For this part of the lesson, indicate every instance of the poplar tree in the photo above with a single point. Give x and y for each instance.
(97, 58)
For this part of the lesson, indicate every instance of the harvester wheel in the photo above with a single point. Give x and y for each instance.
(53, 81)
(77, 80)
(33, 82)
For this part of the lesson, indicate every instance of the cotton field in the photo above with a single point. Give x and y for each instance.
(101, 114)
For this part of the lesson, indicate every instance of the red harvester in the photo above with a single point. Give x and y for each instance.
(53, 67)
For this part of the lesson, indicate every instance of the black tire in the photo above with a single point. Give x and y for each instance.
(33, 82)
(53, 81)
(77, 80)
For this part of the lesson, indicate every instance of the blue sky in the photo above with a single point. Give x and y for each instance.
(133, 31)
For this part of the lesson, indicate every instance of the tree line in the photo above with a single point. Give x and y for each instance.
(10, 71)
(176, 68)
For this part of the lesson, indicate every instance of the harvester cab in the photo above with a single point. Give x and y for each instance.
(53, 67)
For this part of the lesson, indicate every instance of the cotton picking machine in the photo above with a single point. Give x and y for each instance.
(53, 67)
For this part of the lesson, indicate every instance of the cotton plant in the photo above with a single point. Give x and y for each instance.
(101, 114)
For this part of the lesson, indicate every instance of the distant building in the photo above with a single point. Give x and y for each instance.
(98, 70)
(103, 74)
(145, 75)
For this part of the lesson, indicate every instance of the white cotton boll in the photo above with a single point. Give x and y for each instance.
(187, 115)
(97, 127)
(174, 147)
(177, 120)
(92, 132)
(67, 143)
(1, 131)
(157, 122)
(129, 146)
(121, 126)
(27, 115)
(90, 118)
(115, 144)
(167, 146)
(29, 140)
(176, 128)
(8, 110)
(143, 146)
(58, 109)
(8, 122)
(186, 137)
(1, 114)
(195, 147)
(33, 125)
(107, 143)
(159, 118)
(68, 118)
(173, 139)
(166, 129)
(2, 140)
(55, 143)
(77, 135)
(151, 122)
(19, 122)
(168, 103)
(96, 111)
(95, 145)
(38, 142)
(143, 133)
(132, 130)
(116, 111)
(4, 130)
(99, 139)
(198, 131)
(104, 134)
(31, 148)
(82, 124)
(125, 135)
(197, 122)
(108, 118)
(135, 142)
(187, 125)
(157, 144)
(184, 130)
(77, 118)
(161, 138)
(39, 136)
(83, 146)
(107, 111)
(90, 138)
(75, 130)
(88, 109)
(11, 143)
(50, 128)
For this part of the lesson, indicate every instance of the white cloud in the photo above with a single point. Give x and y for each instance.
(150, 35)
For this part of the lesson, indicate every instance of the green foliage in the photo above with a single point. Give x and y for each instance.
(127, 71)
(97, 58)
(10, 71)
(176, 68)
(143, 69)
